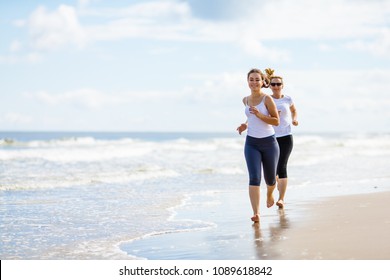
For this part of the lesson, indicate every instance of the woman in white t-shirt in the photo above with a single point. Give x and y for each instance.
(288, 116)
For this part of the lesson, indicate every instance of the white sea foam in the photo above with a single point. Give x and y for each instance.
(86, 160)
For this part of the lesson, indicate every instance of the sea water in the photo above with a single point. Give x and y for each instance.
(73, 195)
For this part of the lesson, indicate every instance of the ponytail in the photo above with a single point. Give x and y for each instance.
(265, 79)
(270, 75)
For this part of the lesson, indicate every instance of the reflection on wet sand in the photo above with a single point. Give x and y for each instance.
(264, 243)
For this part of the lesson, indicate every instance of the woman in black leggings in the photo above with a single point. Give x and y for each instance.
(288, 115)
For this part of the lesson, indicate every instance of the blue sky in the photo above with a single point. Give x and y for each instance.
(170, 65)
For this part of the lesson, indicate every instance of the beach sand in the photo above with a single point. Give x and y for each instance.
(355, 227)
(348, 227)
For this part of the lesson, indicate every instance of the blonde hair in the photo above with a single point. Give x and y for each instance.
(264, 77)
(270, 75)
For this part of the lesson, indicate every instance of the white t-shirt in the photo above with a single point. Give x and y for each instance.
(283, 105)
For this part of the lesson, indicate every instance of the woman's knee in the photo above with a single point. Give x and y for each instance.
(271, 181)
(254, 181)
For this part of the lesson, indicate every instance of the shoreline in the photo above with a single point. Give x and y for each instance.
(353, 227)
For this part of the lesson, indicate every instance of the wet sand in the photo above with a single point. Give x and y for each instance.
(353, 227)
(346, 227)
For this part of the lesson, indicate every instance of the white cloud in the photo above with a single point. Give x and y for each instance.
(354, 100)
(170, 10)
(321, 19)
(173, 20)
(31, 57)
(142, 11)
(153, 20)
(53, 30)
(16, 118)
(220, 88)
(89, 98)
(95, 99)
(255, 47)
(378, 47)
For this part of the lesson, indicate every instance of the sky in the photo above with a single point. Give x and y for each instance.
(181, 65)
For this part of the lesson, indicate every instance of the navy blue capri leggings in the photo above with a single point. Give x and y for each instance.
(261, 152)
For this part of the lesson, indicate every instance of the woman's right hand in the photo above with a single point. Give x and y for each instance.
(242, 128)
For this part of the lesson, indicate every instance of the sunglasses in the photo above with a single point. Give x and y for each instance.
(276, 84)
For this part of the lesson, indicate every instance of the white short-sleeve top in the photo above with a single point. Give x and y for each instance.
(283, 105)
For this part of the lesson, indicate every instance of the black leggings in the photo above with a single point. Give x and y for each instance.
(285, 147)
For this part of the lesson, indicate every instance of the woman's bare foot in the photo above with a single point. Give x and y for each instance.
(280, 203)
(256, 218)
(270, 196)
(270, 201)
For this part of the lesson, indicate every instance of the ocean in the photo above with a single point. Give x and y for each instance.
(90, 195)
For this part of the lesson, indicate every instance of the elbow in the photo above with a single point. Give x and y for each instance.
(276, 122)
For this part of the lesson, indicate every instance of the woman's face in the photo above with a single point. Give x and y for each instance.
(254, 81)
(276, 84)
